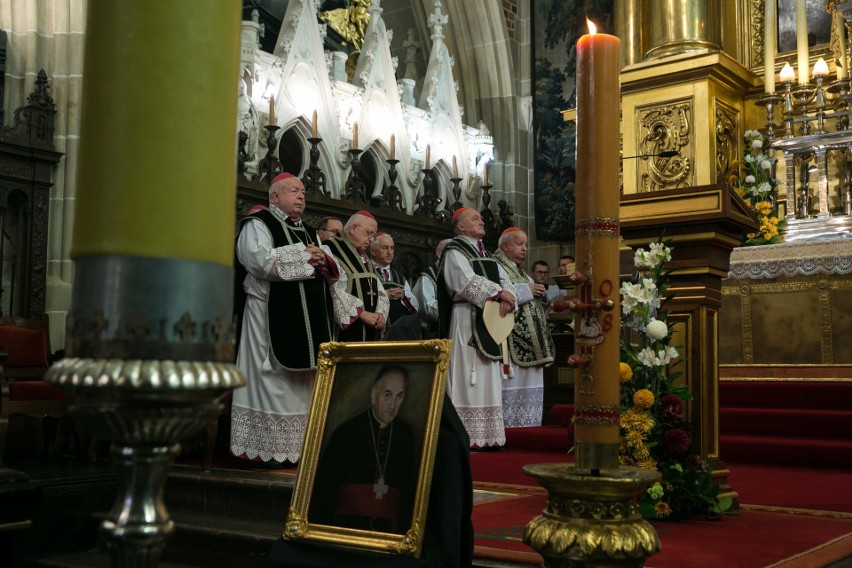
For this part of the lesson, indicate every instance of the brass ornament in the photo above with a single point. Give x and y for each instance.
(727, 148)
(351, 22)
(661, 128)
(591, 520)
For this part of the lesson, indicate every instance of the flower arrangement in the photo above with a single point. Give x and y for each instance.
(654, 434)
(758, 189)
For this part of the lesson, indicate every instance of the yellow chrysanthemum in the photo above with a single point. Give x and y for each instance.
(637, 420)
(642, 453)
(648, 463)
(643, 398)
(634, 439)
(625, 373)
(662, 510)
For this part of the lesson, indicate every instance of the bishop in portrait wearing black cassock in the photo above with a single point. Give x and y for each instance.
(367, 475)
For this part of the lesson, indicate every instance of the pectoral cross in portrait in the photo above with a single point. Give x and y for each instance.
(380, 488)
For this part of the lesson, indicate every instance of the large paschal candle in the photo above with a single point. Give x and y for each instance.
(596, 385)
(153, 240)
(157, 142)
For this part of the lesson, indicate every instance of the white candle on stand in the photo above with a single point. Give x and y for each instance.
(770, 29)
(802, 49)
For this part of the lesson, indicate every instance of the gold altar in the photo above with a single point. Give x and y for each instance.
(788, 304)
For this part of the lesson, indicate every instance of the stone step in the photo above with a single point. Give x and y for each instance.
(243, 494)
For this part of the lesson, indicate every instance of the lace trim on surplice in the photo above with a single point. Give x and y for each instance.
(291, 263)
(346, 307)
(479, 289)
(484, 425)
(267, 436)
(522, 407)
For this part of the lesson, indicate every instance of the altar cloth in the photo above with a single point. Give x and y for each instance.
(808, 258)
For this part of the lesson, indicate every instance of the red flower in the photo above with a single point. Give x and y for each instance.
(676, 442)
(671, 407)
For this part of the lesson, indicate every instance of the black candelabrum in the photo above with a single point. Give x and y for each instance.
(314, 178)
(429, 201)
(392, 198)
(269, 166)
(457, 204)
(486, 213)
(355, 189)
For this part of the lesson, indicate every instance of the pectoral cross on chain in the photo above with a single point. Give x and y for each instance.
(380, 488)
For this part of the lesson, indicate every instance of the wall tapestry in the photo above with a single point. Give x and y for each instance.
(556, 26)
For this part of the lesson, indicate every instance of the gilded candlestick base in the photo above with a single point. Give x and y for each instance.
(591, 520)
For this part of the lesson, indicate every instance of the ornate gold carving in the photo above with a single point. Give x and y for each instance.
(748, 334)
(408, 545)
(296, 525)
(825, 342)
(591, 520)
(727, 136)
(756, 24)
(350, 23)
(665, 128)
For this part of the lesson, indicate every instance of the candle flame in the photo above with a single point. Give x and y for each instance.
(593, 29)
(787, 73)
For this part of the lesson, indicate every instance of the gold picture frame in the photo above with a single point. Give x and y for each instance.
(346, 376)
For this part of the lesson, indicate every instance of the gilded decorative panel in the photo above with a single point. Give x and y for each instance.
(727, 140)
(800, 320)
(665, 128)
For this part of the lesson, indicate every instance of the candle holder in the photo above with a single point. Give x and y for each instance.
(428, 202)
(355, 189)
(314, 178)
(841, 89)
(269, 166)
(803, 203)
(242, 153)
(457, 204)
(802, 96)
(788, 108)
(486, 213)
(392, 197)
(819, 98)
(845, 189)
(768, 101)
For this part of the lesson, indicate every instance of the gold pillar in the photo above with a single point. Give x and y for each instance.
(633, 27)
(678, 26)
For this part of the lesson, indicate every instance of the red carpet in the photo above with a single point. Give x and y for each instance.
(805, 423)
(752, 539)
(789, 517)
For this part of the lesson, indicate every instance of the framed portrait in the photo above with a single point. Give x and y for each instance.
(369, 451)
